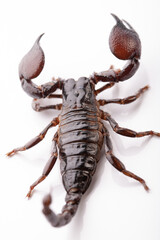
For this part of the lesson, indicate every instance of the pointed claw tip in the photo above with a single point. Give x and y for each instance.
(42, 34)
(121, 22)
(39, 38)
(116, 18)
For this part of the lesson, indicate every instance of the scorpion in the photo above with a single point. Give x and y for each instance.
(81, 131)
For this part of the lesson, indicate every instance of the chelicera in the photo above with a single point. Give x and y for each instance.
(81, 131)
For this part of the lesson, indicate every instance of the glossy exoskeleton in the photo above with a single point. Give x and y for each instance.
(81, 131)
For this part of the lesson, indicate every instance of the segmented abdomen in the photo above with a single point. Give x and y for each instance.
(80, 139)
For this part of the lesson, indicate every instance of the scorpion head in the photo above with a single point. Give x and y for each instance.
(77, 93)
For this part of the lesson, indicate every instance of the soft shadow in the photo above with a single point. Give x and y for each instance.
(136, 147)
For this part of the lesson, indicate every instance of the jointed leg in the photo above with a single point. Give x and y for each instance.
(127, 100)
(47, 168)
(35, 140)
(106, 86)
(125, 131)
(55, 96)
(38, 108)
(118, 164)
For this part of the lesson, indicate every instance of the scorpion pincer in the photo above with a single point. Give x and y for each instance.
(81, 131)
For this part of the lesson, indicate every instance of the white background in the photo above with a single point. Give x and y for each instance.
(75, 45)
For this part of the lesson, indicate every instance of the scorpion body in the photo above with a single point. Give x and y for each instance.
(80, 139)
(81, 131)
(79, 135)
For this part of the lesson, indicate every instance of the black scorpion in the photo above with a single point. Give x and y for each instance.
(81, 131)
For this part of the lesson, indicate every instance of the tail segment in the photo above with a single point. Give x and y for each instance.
(68, 211)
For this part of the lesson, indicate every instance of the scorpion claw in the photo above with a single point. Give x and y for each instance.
(32, 63)
(129, 25)
(124, 42)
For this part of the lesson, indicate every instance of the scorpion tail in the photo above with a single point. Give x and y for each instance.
(68, 211)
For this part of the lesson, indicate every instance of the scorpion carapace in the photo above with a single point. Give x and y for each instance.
(81, 130)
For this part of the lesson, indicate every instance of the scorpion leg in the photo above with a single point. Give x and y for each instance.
(106, 86)
(47, 169)
(30, 67)
(38, 108)
(55, 96)
(35, 140)
(125, 131)
(127, 100)
(118, 164)
(125, 44)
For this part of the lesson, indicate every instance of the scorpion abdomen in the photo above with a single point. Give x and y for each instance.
(80, 140)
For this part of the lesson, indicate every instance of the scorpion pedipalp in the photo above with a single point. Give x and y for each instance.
(30, 67)
(32, 63)
(124, 42)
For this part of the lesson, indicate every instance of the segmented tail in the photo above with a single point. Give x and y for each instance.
(68, 211)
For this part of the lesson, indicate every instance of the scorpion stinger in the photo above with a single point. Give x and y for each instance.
(30, 67)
